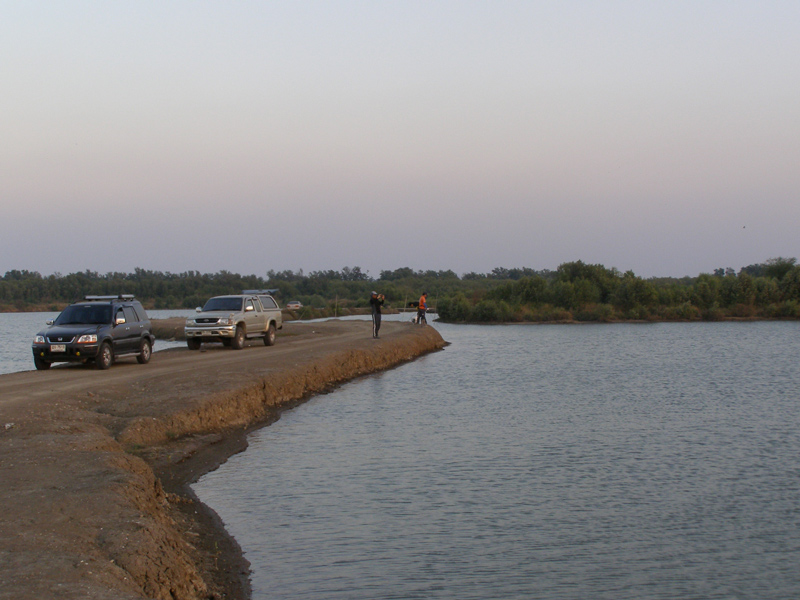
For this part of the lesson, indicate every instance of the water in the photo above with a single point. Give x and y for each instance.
(17, 331)
(550, 462)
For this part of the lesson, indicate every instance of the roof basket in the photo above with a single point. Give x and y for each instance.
(272, 291)
(116, 297)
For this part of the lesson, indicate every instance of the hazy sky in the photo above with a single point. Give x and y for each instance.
(662, 137)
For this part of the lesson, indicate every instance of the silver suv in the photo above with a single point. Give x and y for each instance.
(234, 319)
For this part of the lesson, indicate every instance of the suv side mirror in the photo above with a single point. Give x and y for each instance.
(248, 308)
(198, 309)
(49, 322)
(119, 320)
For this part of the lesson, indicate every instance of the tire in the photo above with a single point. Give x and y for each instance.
(41, 365)
(145, 352)
(237, 343)
(193, 343)
(269, 338)
(105, 356)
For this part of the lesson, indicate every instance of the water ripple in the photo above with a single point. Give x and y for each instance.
(555, 462)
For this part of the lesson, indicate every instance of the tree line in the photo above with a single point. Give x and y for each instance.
(583, 292)
(575, 291)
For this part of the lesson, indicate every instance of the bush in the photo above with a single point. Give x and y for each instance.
(634, 313)
(689, 312)
(317, 301)
(547, 314)
(595, 312)
(788, 309)
(712, 313)
(743, 311)
(455, 310)
(486, 311)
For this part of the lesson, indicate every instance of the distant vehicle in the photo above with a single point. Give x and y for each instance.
(98, 329)
(234, 319)
(294, 305)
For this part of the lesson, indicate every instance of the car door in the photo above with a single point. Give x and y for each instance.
(263, 318)
(253, 316)
(133, 329)
(120, 331)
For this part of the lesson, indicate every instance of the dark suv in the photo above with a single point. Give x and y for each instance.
(99, 329)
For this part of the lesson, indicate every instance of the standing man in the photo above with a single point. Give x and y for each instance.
(376, 301)
(422, 309)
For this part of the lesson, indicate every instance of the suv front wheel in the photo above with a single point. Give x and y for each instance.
(105, 356)
(238, 338)
(41, 365)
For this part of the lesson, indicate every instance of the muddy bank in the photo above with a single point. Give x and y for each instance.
(95, 464)
(168, 329)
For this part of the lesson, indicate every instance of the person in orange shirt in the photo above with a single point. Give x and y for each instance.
(422, 309)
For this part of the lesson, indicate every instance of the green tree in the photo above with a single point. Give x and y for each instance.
(779, 267)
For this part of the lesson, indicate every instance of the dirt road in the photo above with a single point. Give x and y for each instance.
(94, 465)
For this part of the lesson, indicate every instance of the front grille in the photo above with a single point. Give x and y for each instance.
(60, 339)
(206, 320)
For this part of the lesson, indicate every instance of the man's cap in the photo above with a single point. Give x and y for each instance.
(374, 293)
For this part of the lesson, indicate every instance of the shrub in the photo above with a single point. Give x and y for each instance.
(712, 313)
(743, 311)
(317, 301)
(455, 310)
(595, 312)
(788, 309)
(688, 311)
(486, 311)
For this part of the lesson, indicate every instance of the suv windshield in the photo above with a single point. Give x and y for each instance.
(234, 304)
(85, 314)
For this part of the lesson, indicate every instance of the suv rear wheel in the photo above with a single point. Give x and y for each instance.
(145, 352)
(269, 338)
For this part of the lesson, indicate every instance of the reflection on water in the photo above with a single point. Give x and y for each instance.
(592, 461)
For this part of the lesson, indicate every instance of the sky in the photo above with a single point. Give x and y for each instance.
(658, 137)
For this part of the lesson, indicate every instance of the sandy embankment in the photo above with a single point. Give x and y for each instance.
(94, 465)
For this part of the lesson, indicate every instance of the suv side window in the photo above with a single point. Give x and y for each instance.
(141, 315)
(130, 315)
(268, 302)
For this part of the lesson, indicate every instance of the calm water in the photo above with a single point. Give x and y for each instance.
(17, 331)
(549, 462)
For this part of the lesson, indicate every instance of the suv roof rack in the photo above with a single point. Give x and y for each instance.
(115, 297)
(272, 291)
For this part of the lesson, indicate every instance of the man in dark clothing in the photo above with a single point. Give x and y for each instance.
(376, 301)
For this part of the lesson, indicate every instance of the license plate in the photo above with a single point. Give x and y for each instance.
(58, 348)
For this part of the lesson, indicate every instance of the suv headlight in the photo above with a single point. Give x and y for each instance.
(224, 321)
(90, 338)
(190, 322)
(39, 339)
